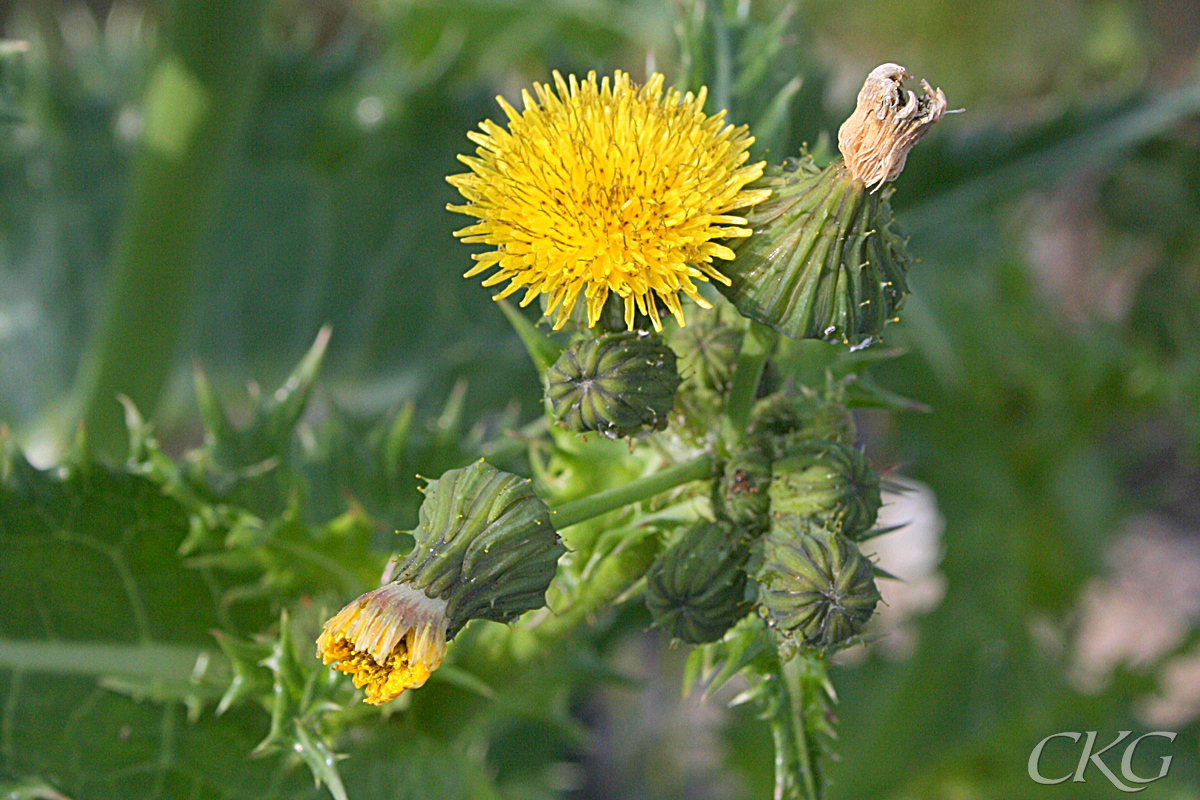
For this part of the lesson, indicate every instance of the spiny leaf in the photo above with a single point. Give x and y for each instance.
(320, 760)
(880, 572)
(740, 648)
(264, 440)
(864, 393)
(877, 532)
(251, 680)
(93, 594)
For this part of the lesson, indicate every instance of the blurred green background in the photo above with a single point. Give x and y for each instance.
(1054, 331)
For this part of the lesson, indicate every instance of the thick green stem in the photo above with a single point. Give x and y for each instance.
(796, 690)
(194, 110)
(169, 662)
(756, 347)
(586, 508)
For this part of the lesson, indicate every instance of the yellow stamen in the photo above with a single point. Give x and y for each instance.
(387, 640)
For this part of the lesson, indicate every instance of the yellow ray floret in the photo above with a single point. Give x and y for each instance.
(388, 640)
(606, 187)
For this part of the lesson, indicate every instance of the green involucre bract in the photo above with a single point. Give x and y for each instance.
(824, 261)
(829, 482)
(484, 544)
(814, 583)
(696, 589)
(617, 385)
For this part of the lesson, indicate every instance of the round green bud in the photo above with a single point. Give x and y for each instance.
(740, 493)
(708, 350)
(777, 415)
(484, 544)
(814, 584)
(617, 385)
(776, 420)
(829, 482)
(696, 588)
(824, 261)
(833, 422)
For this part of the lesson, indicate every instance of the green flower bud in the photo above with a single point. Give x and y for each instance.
(828, 482)
(618, 385)
(824, 261)
(696, 589)
(484, 544)
(776, 420)
(832, 422)
(777, 415)
(740, 493)
(708, 350)
(815, 584)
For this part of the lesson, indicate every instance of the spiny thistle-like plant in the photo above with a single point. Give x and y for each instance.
(603, 188)
(729, 518)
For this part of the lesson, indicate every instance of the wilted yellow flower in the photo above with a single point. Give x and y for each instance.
(606, 187)
(388, 640)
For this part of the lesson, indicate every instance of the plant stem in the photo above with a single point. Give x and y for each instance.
(756, 347)
(796, 689)
(195, 109)
(168, 662)
(586, 508)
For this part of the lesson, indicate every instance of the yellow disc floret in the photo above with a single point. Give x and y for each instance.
(600, 187)
(388, 640)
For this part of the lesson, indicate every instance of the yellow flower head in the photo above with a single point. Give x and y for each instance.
(389, 640)
(606, 187)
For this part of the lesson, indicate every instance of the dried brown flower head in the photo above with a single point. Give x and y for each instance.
(886, 123)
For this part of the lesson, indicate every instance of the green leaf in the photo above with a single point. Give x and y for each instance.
(771, 127)
(398, 763)
(457, 676)
(543, 351)
(1091, 143)
(265, 439)
(93, 594)
(744, 645)
(29, 789)
(301, 691)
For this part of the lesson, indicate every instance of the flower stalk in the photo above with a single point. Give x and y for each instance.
(756, 347)
(585, 508)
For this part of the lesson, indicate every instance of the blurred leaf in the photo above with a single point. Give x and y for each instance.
(267, 435)
(91, 587)
(1063, 148)
(542, 350)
